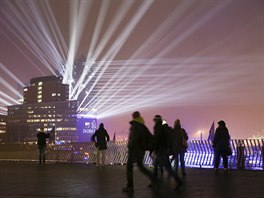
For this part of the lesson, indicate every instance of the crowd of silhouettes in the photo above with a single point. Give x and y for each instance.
(167, 141)
(164, 145)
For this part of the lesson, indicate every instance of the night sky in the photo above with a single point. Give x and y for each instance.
(199, 61)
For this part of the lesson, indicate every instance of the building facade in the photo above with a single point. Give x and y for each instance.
(83, 80)
(45, 105)
(46, 89)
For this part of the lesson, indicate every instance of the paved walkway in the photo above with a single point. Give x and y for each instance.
(28, 179)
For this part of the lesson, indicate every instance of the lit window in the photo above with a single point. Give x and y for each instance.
(39, 96)
(39, 88)
(25, 89)
(39, 100)
(53, 94)
(40, 83)
(59, 94)
(39, 92)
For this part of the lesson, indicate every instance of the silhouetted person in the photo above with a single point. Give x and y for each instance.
(179, 146)
(221, 145)
(52, 135)
(136, 153)
(162, 150)
(42, 136)
(100, 137)
(169, 134)
(240, 154)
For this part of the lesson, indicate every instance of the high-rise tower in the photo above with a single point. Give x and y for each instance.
(46, 104)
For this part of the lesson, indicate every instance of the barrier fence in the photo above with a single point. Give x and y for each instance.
(246, 153)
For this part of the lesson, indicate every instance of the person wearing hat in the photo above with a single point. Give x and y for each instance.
(162, 150)
(221, 143)
(136, 153)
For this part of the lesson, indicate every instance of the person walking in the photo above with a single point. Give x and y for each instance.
(162, 150)
(221, 144)
(100, 137)
(42, 136)
(180, 145)
(136, 152)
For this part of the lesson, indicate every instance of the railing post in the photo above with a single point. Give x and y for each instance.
(262, 154)
(240, 155)
(72, 154)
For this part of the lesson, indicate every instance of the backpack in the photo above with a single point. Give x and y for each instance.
(147, 140)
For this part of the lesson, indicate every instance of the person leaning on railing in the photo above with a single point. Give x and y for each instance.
(42, 136)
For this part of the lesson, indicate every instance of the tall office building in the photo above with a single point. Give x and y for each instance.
(46, 89)
(84, 76)
(45, 105)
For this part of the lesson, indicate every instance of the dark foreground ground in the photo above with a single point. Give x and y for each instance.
(28, 179)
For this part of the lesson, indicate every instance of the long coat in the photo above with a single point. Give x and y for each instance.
(161, 135)
(101, 136)
(178, 135)
(42, 138)
(221, 138)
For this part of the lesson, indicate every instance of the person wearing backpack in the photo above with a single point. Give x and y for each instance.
(179, 146)
(162, 150)
(136, 152)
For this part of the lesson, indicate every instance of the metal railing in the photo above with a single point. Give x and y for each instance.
(246, 153)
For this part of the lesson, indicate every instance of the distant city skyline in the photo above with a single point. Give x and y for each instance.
(200, 61)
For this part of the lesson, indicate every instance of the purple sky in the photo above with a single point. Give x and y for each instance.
(208, 56)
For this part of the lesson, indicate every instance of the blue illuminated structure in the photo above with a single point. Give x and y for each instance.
(86, 126)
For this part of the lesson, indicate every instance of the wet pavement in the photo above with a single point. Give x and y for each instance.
(29, 179)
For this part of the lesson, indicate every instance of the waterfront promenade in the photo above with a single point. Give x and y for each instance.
(29, 179)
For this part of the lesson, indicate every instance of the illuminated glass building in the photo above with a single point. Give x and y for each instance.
(82, 74)
(45, 105)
